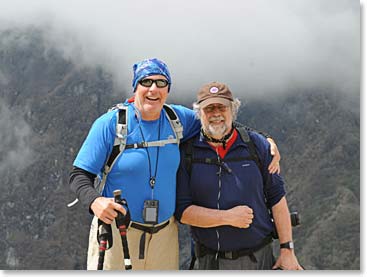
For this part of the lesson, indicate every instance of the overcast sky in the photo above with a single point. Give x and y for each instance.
(257, 47)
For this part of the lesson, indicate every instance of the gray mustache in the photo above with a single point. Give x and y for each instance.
(216, 118)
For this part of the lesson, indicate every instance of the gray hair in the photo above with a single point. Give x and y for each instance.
(236, 103)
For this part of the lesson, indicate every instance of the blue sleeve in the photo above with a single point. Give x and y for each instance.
(183, 191)
(274, 183)
(191, 124)
(98, 144)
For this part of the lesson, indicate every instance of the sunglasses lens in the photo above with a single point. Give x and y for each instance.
(161, 83)
(146, 82)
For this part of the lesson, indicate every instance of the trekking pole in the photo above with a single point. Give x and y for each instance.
(122, 222)
(193, 255)
(104, 233)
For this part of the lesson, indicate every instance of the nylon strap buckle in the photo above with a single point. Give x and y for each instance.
(231, 255)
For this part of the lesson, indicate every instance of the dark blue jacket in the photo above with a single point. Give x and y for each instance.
(241, 185)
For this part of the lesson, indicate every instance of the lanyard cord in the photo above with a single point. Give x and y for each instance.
(152, 178)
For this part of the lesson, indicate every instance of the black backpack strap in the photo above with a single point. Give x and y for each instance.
(188, 155)
(237, 124)
(171, 113)
(253, 153)
(213, 161)
(243, 131)
(189, 158)
(116, 148)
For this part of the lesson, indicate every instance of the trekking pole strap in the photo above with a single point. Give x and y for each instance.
(192, 263)
(122, 221)
(104, 237)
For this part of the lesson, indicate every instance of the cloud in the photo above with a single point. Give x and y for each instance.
(3, 79)
(257, 47)
(15, 151)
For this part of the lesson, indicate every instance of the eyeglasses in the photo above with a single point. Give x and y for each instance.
(212, 108)
(160, 83)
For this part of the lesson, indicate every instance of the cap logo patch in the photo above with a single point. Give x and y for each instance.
(214, 90)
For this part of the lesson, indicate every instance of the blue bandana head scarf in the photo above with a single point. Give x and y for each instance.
(150, 67)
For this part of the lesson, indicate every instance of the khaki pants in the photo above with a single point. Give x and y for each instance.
(161, 249)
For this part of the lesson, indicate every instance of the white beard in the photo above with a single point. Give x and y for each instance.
(216, 130)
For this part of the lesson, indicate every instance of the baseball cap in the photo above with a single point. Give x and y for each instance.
(213, 93)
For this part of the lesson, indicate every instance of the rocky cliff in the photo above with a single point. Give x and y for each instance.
(47, 105)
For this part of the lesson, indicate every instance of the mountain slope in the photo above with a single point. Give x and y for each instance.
(47, 105)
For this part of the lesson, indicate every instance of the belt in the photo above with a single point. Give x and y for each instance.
(149, 229)
(202, 250)
(146, 229)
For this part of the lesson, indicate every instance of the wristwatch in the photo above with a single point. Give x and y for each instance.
(287, 245)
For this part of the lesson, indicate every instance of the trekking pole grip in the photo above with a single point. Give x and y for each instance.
(122, 222)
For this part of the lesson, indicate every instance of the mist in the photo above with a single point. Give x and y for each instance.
(15, 151)
(259, 48)
(264, 50)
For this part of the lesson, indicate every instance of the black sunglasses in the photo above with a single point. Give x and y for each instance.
(160, 83)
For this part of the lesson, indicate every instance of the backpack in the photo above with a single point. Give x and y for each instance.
(120, 145)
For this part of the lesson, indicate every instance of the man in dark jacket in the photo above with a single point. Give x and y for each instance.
(221, 192)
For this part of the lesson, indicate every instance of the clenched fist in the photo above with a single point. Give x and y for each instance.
(105, 209)
(239, 216)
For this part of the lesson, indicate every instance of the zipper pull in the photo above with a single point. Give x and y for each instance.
(226, 167)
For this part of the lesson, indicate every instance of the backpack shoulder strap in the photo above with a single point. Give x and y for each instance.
(121, 134)
(188, 155)
(176, 127)
(118, 147)
(252, 149)
(174, 121)
(119, 142)
(242, 130)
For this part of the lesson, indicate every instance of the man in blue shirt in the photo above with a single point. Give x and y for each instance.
(221, 193)
(152, 245)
